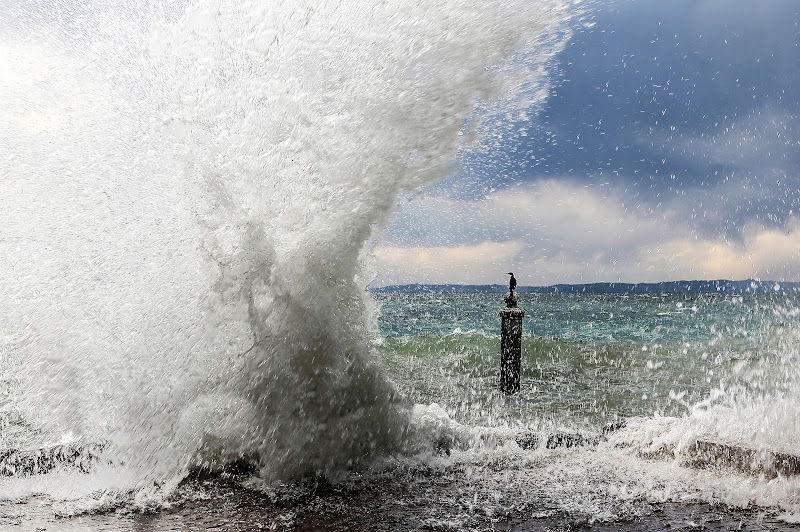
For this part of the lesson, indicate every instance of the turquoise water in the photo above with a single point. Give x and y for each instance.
(588, 359)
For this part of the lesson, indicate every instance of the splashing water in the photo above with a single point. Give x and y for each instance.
(707, 386)
(186, 194)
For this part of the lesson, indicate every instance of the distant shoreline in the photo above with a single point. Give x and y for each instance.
(720, 286)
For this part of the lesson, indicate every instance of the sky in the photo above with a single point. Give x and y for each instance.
(667, 149)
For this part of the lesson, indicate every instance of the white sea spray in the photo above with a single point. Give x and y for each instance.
(187, 191)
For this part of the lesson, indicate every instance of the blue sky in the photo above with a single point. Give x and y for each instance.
(668, 148)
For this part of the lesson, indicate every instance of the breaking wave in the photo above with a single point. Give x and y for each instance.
(188, 193)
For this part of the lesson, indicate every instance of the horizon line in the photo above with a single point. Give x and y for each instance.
(694, 285)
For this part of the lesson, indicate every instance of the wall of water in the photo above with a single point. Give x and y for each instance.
(186, 193)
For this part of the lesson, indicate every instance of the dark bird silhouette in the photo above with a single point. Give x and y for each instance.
(512, 284)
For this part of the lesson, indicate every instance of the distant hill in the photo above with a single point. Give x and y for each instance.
(721, 286)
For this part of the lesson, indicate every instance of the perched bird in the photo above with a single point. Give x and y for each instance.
(512, 284)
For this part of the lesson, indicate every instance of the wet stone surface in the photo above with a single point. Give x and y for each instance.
(435, 503)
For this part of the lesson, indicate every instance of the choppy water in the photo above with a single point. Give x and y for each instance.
(676, 367)
(592, 358)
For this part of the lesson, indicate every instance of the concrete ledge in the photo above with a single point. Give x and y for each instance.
(705, 453)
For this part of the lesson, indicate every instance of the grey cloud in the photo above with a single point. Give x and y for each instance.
(673, 102)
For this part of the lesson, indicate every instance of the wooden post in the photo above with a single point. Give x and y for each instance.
(510, 344)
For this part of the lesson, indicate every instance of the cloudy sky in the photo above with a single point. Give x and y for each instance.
(668, 148)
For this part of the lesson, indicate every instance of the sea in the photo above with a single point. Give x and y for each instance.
(190, 191)
(591, 359)
(616, 392)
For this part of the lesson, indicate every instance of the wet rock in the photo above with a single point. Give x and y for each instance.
(528, 441)
(614, 426)
(22, 462)
(555, 440)
(567, 440)
(707, 453)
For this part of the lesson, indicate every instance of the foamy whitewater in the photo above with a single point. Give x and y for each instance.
(188, 191)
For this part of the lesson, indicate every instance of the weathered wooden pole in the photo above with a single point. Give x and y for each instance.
(510, 343)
